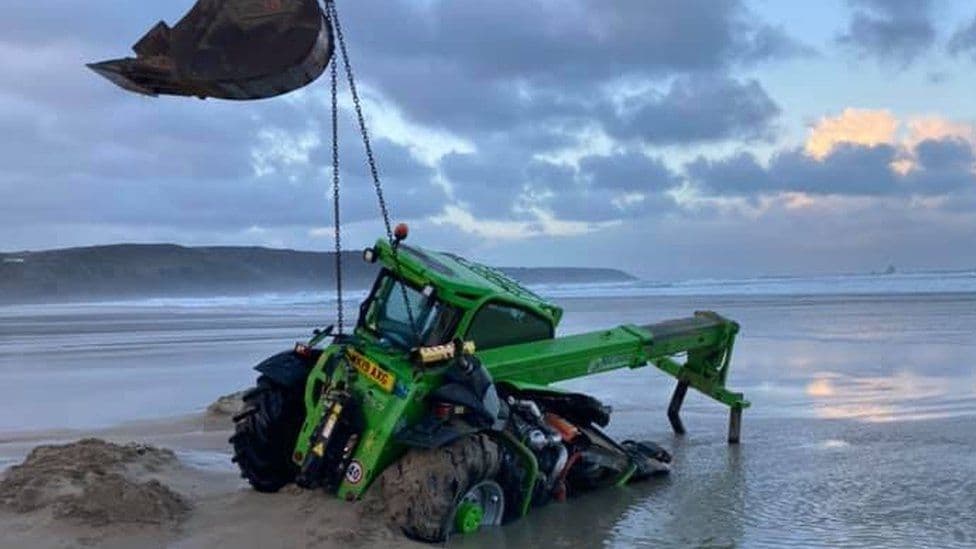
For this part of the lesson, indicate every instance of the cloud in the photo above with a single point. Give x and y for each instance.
(199, 166)
(769, 43)
(696, 109)
(542, 223)
(514, 122)
(505, 179)
(943, 166)
(963, 41)
(923, 128)
(580, 40)
(634, 172)
(880, 127)
(464, 66)
(852, 126)
(940, 166)
(848, 169)
(471, 103)
(101, 22)
(891, 31)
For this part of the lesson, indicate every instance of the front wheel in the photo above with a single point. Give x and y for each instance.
(430, 494)
(265, 434)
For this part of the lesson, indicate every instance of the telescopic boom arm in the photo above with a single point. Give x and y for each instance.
(705, 338)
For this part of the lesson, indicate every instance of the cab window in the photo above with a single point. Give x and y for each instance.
(498, 325)
(387, 314)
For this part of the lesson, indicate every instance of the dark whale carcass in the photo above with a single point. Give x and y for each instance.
(229, 49)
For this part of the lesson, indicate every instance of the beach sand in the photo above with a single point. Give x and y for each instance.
(860, 434)
(106, 491)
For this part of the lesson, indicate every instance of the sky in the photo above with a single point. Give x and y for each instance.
(670, 138)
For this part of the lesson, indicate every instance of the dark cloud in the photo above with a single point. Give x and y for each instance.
(698, 108)
(504, 180)
(552, 42)
(893, 31)
(740, 174)
(473, 67)
(95, 22)
(944, 166)
(515, 79)
(770, 43)
(608, 188)
(208, 204)
(490, 180)
(848, 169)
(963, 41)
(941, 167)
(504, 172)
(632, 172)
(104, 157)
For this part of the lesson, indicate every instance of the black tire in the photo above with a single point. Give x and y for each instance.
(419, 492)
(265, 434)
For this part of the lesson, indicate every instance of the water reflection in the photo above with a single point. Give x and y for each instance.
(701, 505)
(903, 395)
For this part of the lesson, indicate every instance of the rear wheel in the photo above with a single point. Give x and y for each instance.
(430, 494)
(265, 434)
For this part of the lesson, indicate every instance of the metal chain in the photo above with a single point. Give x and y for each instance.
(333, 15)
(335, 196)
(374, 172)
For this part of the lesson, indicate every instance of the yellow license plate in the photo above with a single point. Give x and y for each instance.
(370, 369)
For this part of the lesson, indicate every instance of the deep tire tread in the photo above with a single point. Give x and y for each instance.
(265, 433)
(420, 490)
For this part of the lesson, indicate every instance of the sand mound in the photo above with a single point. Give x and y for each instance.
(95, 483)
(228, 405)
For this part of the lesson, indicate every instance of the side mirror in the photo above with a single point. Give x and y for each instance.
(326, 332)
(318, 335)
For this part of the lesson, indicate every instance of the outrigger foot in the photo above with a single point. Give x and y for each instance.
(674, 409)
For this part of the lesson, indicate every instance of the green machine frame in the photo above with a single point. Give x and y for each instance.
(696, 351)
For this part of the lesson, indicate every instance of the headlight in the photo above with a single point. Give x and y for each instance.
(369, 255)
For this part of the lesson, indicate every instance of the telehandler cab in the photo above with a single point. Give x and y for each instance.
(441, 398)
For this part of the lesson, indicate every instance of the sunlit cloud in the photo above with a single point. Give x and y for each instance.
(870, 127)
(936, 127)
(799, 201)
(820, 387)
(855, 126)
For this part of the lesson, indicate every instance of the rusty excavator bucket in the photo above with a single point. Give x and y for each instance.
(230, 49)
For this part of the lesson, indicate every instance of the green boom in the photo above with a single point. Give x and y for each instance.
(706, 338)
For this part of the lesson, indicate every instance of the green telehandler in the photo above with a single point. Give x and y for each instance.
(441, 398)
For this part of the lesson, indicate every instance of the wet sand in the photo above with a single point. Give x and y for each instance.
(862, 431)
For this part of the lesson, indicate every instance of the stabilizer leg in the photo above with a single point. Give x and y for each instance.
(735, 424)
(674, 409)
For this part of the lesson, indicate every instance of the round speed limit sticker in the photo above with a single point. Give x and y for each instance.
(354, 473)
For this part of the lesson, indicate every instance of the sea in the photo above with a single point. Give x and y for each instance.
(861, 430)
